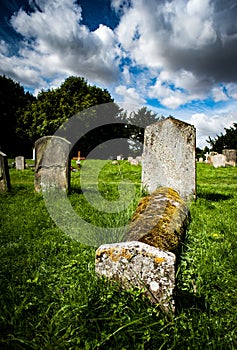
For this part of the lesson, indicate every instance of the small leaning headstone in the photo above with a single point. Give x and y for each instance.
(52, 169)
(20, 163)
(168, 158)
(4, 173)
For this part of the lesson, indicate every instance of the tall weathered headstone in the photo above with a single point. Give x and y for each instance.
(168, 158)
(230, 156)
(4, 173)
(52, 163)
(20, 163)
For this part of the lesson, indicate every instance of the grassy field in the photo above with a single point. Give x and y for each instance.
(51, 299)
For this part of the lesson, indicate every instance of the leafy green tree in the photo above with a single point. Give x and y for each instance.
(12, 99)
(227, 140)
(136, 123)
(53, 107)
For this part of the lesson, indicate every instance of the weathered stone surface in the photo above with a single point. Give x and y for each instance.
(160, 220)
(4, 173)
(140, 265)
(52, 163)
(230, 156)
(20, 163)
(219, 160)
(169, 157)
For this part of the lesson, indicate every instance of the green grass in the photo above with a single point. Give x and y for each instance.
(50, 297)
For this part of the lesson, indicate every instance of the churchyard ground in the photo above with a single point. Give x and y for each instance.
(51, 298)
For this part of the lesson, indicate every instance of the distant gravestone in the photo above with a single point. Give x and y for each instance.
(134, 161)
(230, 156)
(120, 157)
(52, 163)
(206, 157)
(200, 160)
(219, 160)
(210, 157)
(169, 157)
(20, 163)
(139, 159)
(4, 173)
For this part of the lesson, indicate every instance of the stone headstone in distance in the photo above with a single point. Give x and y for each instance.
(52, 163)
(4, 173)
(20, 163)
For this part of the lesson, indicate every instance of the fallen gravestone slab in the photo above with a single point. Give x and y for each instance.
(147, 257)
(140, 265)
(160, 220)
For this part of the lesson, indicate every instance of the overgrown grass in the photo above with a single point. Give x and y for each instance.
(51, 298)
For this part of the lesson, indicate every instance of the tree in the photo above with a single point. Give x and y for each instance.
(227, 140)
(12, 99)
(53, 107)
(136, 124)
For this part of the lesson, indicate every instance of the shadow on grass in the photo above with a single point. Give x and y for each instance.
(214, 197)
(186, 301)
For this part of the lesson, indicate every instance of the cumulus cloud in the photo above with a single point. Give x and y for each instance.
(193, 42)
(56, 44)
(176, 52)
(211, 125)
(130, 95)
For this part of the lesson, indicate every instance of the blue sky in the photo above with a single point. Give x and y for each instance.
(177, 57)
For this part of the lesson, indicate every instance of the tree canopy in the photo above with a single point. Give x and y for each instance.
(26, 118)
(228, 140)
(13, 99)
(53, 107)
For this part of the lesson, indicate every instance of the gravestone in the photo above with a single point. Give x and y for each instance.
(4, 173)
(210, 157)
(138, 264)
(206, 157)
(134, 161)
(200, 160)
(20, 163)
(120, 157)
(230, 156)
(219, 160)
(52, 163)
(147, 258)
(168, 158)
(139, 159)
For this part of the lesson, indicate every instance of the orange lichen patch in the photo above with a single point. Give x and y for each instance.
(114, 255)
(159, 260)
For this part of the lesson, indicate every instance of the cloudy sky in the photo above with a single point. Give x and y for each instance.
(177, 57)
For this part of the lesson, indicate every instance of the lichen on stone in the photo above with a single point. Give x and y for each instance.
(160, 220)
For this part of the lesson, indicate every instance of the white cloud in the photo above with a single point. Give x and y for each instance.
(219, 94)
(56, 45)
(129, 95)
(173, 51)
(211, 125)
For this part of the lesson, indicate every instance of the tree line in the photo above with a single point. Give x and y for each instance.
(25, 118)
